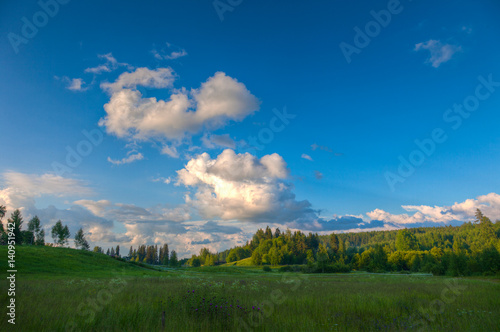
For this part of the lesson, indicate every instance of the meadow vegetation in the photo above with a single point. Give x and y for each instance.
(61, 289)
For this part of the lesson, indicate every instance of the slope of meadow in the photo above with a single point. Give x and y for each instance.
(34, 261)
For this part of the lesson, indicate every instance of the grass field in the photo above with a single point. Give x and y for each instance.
(68, 290)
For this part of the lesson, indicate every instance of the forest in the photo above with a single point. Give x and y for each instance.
(470, 249)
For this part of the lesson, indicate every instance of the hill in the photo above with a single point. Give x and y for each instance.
(48, 261)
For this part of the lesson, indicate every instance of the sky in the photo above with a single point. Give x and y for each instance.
(194, 123)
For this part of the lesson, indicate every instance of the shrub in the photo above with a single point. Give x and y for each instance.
(337, 268)
(267, 269)
(286, 268)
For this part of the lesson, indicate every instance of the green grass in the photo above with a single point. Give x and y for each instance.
(122, 298)
(243, 262)
(49, 262)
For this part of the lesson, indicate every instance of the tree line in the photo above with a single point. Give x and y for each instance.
(35, 235)
(470, 249)
(153, 255)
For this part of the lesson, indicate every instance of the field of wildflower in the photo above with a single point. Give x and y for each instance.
(216, 300)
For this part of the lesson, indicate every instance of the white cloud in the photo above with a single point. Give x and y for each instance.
(73, 84)
(169, 54)
(175, 55)
(98, 70)
(465, 211)
(170, 151)
(76, 84)
(20, 189)
(158, 78)
(110, 64)
(96, 207)
(439, 52)
(127, 160)
(130, 213)
(162, 179)
(219, 100)
(242, 187)
(488, 204)
(306, 156)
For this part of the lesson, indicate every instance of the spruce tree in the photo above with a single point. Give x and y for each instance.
(165, 257)
(334, 242)
(3, 234)
(17, 220)
(173, 259)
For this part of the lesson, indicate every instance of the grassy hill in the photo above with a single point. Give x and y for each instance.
(49, 261)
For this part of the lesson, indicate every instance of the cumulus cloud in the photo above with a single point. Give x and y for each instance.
(242, 187)
(439, 52)
(458, 212)
(127, 160)
(219, 100)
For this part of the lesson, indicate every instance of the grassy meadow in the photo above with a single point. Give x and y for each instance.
(67, 290)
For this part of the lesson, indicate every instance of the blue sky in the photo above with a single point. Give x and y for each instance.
(233, 68)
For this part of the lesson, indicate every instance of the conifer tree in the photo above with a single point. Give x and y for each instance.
(17, 220)
(173, 259)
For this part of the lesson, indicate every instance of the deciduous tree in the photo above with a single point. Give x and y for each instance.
(60, 234)
(80, 241)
